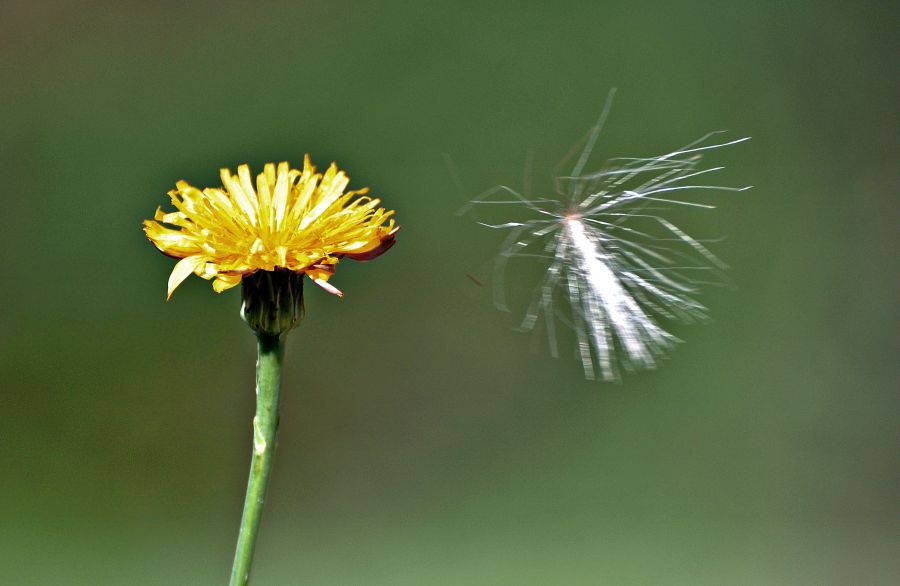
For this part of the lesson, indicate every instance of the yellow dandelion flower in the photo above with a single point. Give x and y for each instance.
(300, 221)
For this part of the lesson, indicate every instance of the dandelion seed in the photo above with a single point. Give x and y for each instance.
(613, 264)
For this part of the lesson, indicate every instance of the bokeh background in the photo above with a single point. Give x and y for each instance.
(423, 442)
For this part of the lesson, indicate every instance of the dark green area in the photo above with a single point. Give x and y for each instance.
(422, 442)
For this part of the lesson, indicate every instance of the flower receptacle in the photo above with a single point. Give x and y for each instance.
(272, 301)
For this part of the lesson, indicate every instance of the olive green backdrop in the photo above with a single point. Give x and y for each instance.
(423, 442)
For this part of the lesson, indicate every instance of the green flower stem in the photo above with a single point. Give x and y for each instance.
(265, 424)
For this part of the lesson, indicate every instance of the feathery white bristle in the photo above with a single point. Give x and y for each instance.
(612, 262)
(607, 307)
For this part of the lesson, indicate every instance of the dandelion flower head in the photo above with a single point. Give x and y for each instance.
(301, 221)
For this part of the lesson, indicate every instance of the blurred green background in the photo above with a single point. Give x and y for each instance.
(423, 442)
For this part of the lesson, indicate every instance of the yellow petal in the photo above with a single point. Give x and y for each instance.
(182, 269)
(279, 201)
(245, 202)
(225, 282)
(264, 196)
(332, 187)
